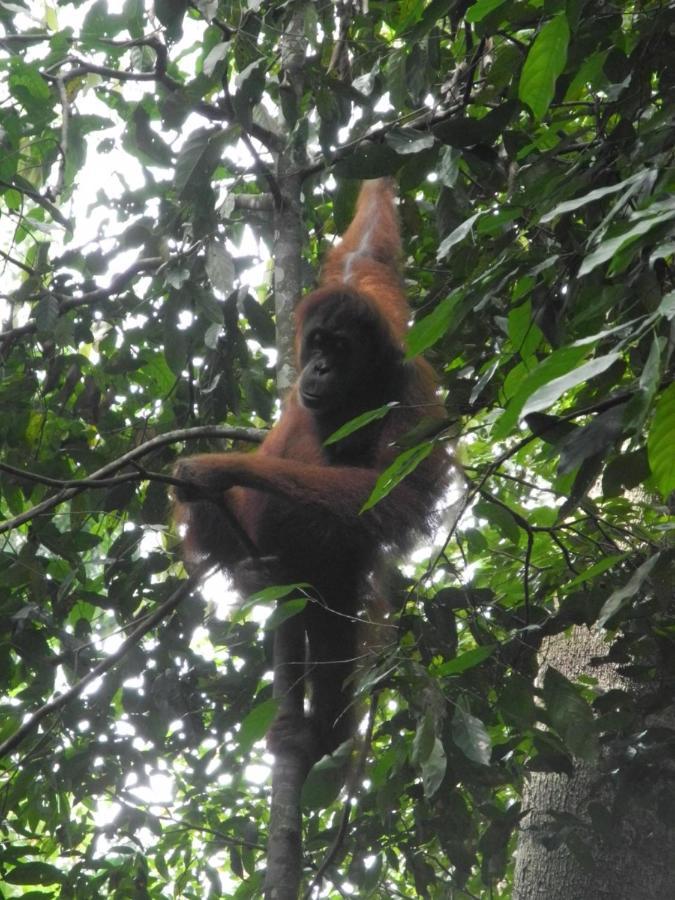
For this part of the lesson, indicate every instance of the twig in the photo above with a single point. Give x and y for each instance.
(12, 742)
(245, 136)
(421, 117)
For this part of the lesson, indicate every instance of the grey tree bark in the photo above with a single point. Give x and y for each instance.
(621, 849)
(284, 846)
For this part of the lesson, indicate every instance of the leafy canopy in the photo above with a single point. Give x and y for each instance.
(532, 142)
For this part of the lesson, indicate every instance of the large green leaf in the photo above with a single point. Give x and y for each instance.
(612, 247)
(431, 328)
(661, 442)
(457, 235)
(570, 715)
(403, 465)
(471, 736)
(622, 596)
(548, 393)
(545, 61)
(482, 8)
(597, 194)
(549, 369)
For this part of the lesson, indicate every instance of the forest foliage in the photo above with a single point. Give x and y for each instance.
(532, 144)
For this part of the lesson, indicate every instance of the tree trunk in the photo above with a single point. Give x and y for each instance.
(607, 839)
(284, 845)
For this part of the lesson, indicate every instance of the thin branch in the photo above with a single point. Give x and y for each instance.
(65, 118)
(473, 65)
(179, 825)
(79, 483)
(41, 201)
(213, 112)
(335, 847)
(418, 118)
(142, 266)
(565, 552)
(253, 435)
(246, 131)
(162, 611)
(17, 263)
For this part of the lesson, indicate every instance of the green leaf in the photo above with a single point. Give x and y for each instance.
(410, 12)
(570, 715)
(465, 661)
(667, 306)
(553, 390)
(423, 742)
(622, 596)
(448, 166)
(198, 158)
(616, 245)
(34, 873)
(403, 465)
(500, 518)
(431, 328)
(219, 266)
(369, 160)
(596, 569)
(28, 86)
(259, 320)
(171, 13)
(433, 769)
(249, 84)
(545, 62)
(216, 55)
(482, 8)
(46, 314)
(256, 724)
(457, 235)
(326, 779)
(359, 422)
(661, 443)
(558, 363)
(625, 472)
(267, 595)
(285, 610)
(470, 735)
(597, 194)
(406, 141)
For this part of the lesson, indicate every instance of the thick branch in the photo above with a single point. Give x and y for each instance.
(186, 434)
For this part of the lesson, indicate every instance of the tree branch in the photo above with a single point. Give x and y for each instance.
(162, 611)
(186, 434)
(334, 849)
(40, 200)
(119, 282)
(213, 112)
